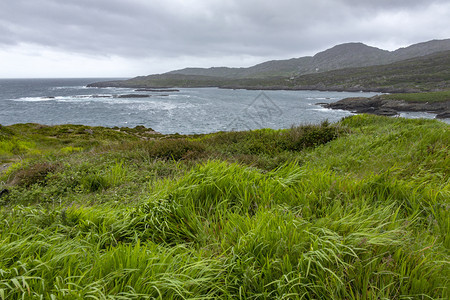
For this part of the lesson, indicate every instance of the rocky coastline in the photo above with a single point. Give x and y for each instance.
(386, 107)
(375, 105)
(141, 87)
(156, 90)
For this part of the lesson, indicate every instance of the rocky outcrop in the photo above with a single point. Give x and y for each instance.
(133, 96)
(157, 90)
(386, 107)
(444, 115)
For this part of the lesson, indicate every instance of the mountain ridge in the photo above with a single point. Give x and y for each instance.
(425, 73)
(344, 67)
(346, 55)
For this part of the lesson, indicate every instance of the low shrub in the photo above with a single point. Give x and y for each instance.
(301, 137)
(271, 142)
(34, 174)
(175, 149)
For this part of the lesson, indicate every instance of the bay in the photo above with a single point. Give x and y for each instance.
(188, 111)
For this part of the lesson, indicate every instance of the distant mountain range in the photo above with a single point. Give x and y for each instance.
(349, 55)
(351, 66)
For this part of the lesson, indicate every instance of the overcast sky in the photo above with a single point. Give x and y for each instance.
(127, 38)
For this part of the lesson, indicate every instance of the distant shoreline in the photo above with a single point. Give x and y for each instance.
(384, 90)
(423, 73)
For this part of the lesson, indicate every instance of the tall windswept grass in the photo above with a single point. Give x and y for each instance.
(304, 225)
(360, 214)
(104, 179)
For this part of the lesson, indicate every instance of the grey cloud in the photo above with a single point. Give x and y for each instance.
(139, 28)
(390, 4)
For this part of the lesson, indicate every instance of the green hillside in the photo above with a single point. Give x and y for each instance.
(426, 73)
(353, 210)
(430, 97)
(347, 55)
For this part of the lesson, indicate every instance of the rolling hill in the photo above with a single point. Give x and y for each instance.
(424, 73)
(348, 55)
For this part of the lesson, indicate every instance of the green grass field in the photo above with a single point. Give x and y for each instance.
(353, 210)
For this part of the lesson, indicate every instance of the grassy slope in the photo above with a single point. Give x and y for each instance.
(355, 210)
(421, 74)
(420, 97)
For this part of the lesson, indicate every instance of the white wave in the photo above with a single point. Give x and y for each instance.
(79, 87)
(154, 105)
(35, 99)
(95, 96)
(74, 98)
(322, 98)
(157, 105)
(417, 115)
(117, 89)
(113, 101)
(322, 109)
(155, 102)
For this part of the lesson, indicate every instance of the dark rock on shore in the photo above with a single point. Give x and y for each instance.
(157, 90)
(133, 96)
(444, 115)
(379, 111)
(386, 107)
(235, 85)
(101, 96)
(372, 105)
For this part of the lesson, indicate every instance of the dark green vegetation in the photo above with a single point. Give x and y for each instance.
(425, 73)
(420, 97)
(353, 210)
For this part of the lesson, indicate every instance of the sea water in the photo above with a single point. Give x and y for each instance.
(187, 111)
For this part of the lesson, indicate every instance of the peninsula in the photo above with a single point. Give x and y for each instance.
(422, 67)
(419, 68)
(393, 104)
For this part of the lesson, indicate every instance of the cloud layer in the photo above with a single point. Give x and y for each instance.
(169, 33)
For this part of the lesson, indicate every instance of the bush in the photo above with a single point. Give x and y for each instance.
(302, 137)
(175, 149)
(270, 142)
(35, 174)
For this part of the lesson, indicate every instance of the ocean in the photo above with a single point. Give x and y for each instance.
(187, 111)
